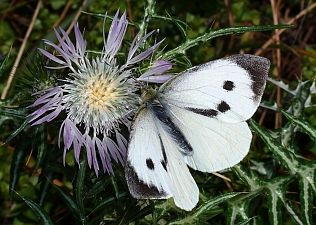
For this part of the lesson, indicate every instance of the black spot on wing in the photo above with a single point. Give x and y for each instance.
(223, 107)
(150, 164)
(228, 85)
(205, 112)
(257, 68)
(138, 188)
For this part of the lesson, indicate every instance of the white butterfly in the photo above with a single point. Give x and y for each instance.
(195, 119)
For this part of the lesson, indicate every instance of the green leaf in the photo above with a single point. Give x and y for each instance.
(70, 201)
(46, 178)
(201, 213)
(13, 112)
(292, 210)
(18, 161)
(307, 178)
(115, 186)
(3, 63)
(189, 43)
(276, 190)
(78, 191)
(305, 126)
(108, 201)
(17, 131)
(286, 157)
(238, 207)
(99, 186)
(39, 211)
(59, 168)
(40, 142)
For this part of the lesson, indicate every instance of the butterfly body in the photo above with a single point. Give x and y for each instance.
(195, 119)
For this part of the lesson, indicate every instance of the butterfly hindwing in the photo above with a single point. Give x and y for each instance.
(228, 89)
(216, 144)
(155, 167)
(185, 191)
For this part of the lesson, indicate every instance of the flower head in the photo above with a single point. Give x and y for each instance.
(97, 96)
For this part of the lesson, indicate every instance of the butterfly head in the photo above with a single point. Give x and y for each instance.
(148, 93)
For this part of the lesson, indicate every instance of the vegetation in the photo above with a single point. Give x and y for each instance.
(274, 184)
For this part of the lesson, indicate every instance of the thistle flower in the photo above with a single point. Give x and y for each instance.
(97, 96)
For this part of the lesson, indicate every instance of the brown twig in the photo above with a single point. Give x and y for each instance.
(63, 14)
(77, 16)
(130, 16)
(18, 58)
(275, 10)
(231, 22)
(277, 33)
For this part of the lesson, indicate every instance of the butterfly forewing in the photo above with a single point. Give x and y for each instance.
(228, 89)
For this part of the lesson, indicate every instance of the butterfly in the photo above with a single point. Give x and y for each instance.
(196, 119)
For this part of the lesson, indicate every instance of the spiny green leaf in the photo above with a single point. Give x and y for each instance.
(39, 211)
(248, 177)
(305, 126)
(189, 43)
(292, 210)
(307, 178)
(238, 207)
(200, 214)
(282, 85)
(272, 105)
(276, 190)
(245, 222)
(286, 157)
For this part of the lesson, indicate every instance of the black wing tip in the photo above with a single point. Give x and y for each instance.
(258, 70)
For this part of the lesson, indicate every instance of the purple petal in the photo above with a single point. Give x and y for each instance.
(133, 49)
(160, 67)
(69, 46)
(88, 149)
(116, 35)
(81, 44)
(156, 79)
(52, 57)
(94, 156)
(143, 55)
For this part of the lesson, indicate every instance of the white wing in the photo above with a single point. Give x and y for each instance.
(216, 144)
(155, 167)
(209, 104)
(228, 89)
